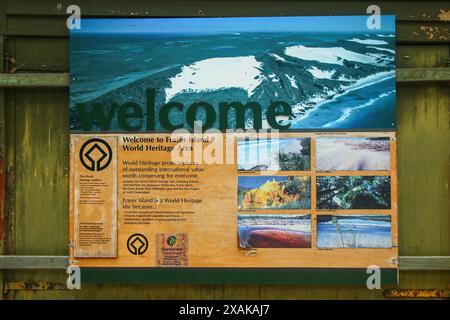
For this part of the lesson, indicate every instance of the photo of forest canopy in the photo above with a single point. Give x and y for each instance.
(274, 231)
(274, 192)
(354, 231)
(353, 192)
(284, 154)
(334, 154)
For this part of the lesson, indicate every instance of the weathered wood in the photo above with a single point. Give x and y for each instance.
(425, 263)
(411, 11)
(423, 116)
(33, 262)
(3, 141)
(421, 263)
(48, 54)
(34, 80)
(423, 74)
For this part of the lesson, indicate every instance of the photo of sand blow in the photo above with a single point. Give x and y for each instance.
(333, 154)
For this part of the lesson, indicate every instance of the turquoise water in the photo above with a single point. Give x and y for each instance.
(356, 110)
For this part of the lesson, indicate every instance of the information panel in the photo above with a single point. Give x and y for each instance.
(295, 200)
(244, 149)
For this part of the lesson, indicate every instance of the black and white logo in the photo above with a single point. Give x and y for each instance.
(137, 244)
(95, 154)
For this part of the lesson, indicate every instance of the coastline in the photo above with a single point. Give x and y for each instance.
(359, 84)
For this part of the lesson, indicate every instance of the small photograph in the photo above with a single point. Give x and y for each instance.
(354, 231)
(354, 192)
(283, 154)
(274, 192)
(274, 231)
(334, 154)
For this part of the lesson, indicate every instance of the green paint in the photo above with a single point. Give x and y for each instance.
(234, 276)
(37, 151)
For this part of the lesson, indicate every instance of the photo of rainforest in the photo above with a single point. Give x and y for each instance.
(354, 231)
(353, 192)
(284, 154)
(274, 192)
(334, 154)
(274, 231)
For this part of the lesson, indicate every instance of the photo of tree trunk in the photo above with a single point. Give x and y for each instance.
(353, 192)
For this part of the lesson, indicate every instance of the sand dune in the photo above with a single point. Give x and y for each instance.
(352, 154)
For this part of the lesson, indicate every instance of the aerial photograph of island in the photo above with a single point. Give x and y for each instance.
(332, 71)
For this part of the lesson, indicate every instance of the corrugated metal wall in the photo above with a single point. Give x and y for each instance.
(34, 142)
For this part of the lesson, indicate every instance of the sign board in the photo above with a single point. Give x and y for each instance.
(209, 148)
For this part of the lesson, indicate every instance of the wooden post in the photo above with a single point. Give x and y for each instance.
(2, 142)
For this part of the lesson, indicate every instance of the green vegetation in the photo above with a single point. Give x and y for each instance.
(361, 192)
(297, 161)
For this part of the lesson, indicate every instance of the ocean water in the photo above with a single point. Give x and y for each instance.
(354, 109)
(333, 81)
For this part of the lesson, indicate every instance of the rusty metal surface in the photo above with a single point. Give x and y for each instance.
(423, 74)
(417, 294)
(33, 285)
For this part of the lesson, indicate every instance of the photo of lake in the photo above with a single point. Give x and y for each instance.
(332, 71)
(354, 231)
(283, 154)
(274, 231)
(333, 154)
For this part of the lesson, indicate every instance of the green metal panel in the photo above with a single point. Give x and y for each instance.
(36, 127)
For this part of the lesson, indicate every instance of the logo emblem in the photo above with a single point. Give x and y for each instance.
(171, 241)
(137, 244)
(95, 154)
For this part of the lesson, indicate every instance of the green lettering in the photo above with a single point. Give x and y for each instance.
(164, 115)
(150, 125)
(240, 111)
(125, 113)
(191, 114)
(273, 112)
(96, 116)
